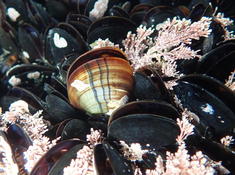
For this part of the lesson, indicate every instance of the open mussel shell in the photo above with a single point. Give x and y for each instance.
(145, 107)
(100, 85)
(215, 119)
(45, 164)
(110, 27)
(109, 161)
(149, 130)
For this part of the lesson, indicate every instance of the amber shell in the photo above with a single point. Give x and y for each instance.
(100, 85)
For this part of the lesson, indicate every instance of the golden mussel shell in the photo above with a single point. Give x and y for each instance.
(100, 85)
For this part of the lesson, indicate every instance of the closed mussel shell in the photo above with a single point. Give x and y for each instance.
(7, 158)
(214, 86)
(109, 161)
(150, 86)
(61, 41)
(100, 85)
(80, 22)
(110, 27)
(159, 14)
(75, 128)
(214, 56)
(149, 130)
(223, 68)
(19, 142)
(64, 161)
(45, 164)
(145, 107)
(215, 119)
(30, 42)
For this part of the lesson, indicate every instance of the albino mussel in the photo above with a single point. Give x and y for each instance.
(100, 80)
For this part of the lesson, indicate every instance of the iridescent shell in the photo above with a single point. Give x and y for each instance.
(100, 85)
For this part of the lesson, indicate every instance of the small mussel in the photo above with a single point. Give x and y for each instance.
(99, 80)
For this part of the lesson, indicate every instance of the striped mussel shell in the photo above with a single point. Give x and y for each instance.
(100, 80)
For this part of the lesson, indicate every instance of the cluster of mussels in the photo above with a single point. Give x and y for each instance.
(48, 60)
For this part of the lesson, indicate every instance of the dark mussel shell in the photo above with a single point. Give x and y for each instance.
(110, 27)
(197, 12)
(57, 9)
(17, 93)
(58, 167)
(38, 15)
(75, 128)
(7, 158)
(62, 41)
(150, 86)
(214, 86)
(216, 36)
(19, 142)
(214, 150)
(215, 118)
(56, 87)
(29, 76)
(218, 53)
(91, 3)
(60, 109)
(30, 42)
(19, 8)
(8, 40)
(118, 11)
(219, 62)
(138, 12)
(223, 68)
(151, 131)
(45, 164)
(80, 22)
(109, 161)
(159, 14)
(145, 107)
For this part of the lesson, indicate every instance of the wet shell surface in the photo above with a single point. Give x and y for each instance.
(100, 85)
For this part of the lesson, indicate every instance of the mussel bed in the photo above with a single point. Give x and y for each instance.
(121, 87)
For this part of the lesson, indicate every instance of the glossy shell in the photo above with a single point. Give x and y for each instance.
(100, 85)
